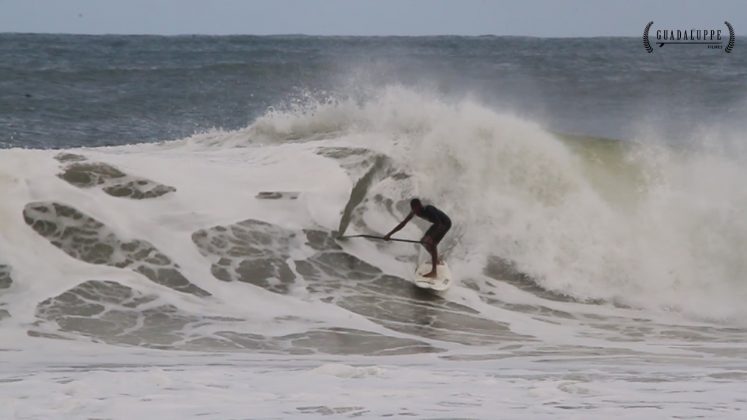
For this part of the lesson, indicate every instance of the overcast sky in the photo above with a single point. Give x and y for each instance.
(544, 18)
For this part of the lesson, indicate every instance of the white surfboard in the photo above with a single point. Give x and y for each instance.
(440, 283)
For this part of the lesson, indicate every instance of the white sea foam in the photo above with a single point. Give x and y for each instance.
(670, 250)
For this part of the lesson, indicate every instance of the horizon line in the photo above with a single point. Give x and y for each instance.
(322, 35)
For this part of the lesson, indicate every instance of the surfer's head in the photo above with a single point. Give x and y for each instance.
(416, 205)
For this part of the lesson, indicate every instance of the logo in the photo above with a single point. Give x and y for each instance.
(711, 38)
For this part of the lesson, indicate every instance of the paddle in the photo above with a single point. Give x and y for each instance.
(379, 237)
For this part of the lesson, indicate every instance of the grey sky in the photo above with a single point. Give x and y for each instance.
(545, 18)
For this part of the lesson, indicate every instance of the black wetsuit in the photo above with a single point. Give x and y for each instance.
(441, 223)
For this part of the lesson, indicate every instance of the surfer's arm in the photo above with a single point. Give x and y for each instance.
(399, 226)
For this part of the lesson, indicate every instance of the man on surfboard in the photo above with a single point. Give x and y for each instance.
(441, 225)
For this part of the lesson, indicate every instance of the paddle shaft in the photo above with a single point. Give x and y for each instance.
(381, 237)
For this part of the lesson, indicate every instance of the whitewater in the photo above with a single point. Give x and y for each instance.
(204, 277)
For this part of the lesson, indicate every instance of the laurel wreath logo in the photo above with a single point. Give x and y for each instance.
(647, 44)
(730, 45)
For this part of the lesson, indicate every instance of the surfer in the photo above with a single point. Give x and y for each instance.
(441, 225)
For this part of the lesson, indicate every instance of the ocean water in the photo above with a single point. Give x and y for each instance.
(171, 211)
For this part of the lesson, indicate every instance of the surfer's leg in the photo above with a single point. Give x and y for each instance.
(436, 236)
(434, 261)
(431, 248)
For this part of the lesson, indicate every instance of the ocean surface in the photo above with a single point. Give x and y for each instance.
(171, 211)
